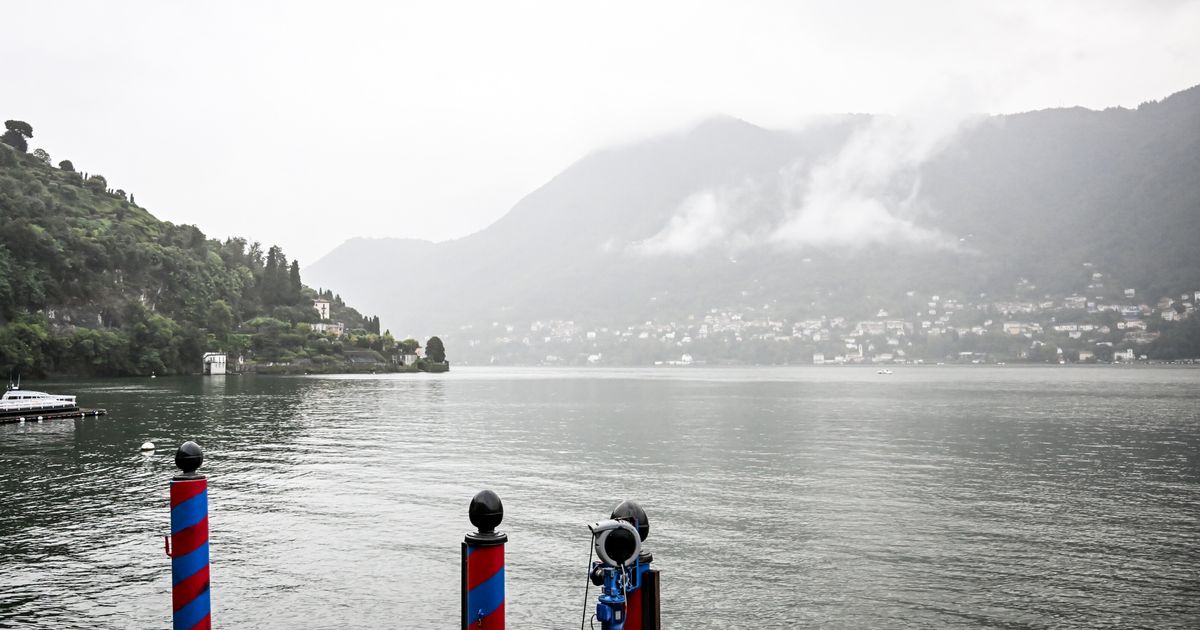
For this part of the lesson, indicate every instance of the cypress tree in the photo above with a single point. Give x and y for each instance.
(295, 286)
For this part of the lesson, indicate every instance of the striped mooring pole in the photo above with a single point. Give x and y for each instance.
(188, 543)
(483, 565)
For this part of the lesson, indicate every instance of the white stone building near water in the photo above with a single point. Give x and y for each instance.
(214, 363)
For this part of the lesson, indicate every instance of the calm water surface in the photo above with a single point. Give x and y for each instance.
(934, 497)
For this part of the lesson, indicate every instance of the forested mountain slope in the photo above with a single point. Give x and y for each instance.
(93, 284)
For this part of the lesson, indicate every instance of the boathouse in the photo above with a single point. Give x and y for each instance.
(214, 363)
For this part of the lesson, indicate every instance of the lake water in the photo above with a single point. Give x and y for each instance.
(778, 498)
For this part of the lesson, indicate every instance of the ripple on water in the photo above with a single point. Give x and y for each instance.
(778, 498)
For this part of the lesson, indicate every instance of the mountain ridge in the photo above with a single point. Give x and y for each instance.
(571, 247)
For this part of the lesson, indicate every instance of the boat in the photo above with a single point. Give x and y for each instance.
(883, 371)
(24, 402)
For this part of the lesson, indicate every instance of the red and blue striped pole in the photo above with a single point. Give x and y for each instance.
(483, 565)
(188, 546)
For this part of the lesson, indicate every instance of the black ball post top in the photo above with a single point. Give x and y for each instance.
(630, 510)
(486, 512)
(189, 457)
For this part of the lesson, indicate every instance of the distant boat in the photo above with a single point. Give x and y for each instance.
(883, 371)
(22, 402)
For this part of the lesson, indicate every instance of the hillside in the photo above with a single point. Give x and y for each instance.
(850, 213)
(93, 284)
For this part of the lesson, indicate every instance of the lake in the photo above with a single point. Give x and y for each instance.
(777, 497)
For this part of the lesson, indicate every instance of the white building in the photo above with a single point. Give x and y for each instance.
(214, 363)
(322, 307)
(336, 329)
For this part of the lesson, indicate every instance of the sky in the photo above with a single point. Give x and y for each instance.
(305, 124)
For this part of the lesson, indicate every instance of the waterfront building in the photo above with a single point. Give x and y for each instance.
(213, 363)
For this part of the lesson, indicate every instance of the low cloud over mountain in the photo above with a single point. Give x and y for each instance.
(728, 211)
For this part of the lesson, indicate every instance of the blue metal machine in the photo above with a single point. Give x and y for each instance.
(618, 546)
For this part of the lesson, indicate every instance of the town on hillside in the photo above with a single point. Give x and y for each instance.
(1102, 322)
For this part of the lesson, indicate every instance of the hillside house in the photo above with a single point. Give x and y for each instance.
(322, 307)
(337, 329)
(1075, 302)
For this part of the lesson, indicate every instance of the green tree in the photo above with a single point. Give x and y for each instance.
(41, 156)
(220, 318)
(410, 346)
(238, 345)
(95, 352)
(275, 278)
(153, 341)
(20, 127)
(17, 134)
(22, 343)
(295, 286)
(434, 350)
(15, 140)
(97, 183)
(67, 166)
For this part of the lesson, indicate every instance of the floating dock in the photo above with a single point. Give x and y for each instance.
(54, 415)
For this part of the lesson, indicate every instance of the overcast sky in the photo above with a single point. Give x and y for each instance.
(305, 124)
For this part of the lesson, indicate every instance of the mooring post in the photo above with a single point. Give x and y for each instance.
(643, 600)
(188, 546)
(483, 565)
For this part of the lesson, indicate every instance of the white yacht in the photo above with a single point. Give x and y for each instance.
(23, 402)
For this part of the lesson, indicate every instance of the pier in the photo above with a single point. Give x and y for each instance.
(54, 415)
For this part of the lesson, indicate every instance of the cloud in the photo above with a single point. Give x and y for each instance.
(869, 192)
(715, 217)
(698, 223)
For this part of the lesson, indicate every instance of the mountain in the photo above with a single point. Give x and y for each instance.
(850, 212)
(93, 284)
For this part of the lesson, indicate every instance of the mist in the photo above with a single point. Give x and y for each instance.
(866, 193)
